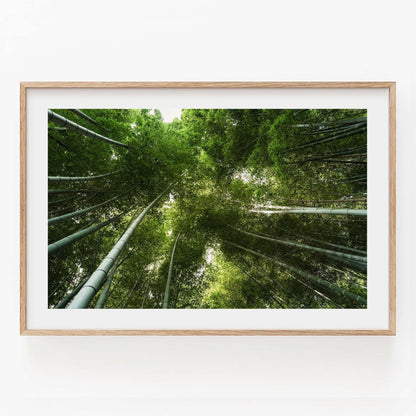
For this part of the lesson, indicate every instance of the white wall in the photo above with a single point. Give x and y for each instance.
(207, 40)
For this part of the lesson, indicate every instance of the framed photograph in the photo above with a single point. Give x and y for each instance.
(196, 208)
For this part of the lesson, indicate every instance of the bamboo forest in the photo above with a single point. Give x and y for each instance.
(212, 209)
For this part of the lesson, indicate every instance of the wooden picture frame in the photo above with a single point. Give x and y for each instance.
(26, 86)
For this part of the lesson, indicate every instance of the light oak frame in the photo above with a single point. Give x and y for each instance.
(391, 86)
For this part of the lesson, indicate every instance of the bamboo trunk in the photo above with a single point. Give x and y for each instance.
(333, 124)
(70, 125)
(345, 248)
(338, 129)
(131, 291)
(97, 279)
(63, 242)
(330, 253)
(322, 140)
(312, 210)
(146, 292)
(74, 191)
(62, 303)
(106, 289)
(62, 201)
(328, 299)
(274, 296)
(306, 275)
(57, 179)
(327, 155)
(302, 237)
(167, 289)
(88, 118)
(79, 212)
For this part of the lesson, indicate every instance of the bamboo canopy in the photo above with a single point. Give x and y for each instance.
(210, 240)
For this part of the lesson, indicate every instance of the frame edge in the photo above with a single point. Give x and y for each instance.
(207, 332)
(390, 85)
(23, 253)
(392, 208)
(207, 84)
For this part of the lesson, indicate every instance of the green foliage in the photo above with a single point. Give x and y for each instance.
(226, 164)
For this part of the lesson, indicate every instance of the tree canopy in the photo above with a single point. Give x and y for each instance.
(222, 208)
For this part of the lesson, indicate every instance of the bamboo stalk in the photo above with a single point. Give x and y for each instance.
(312, 210)
(62, 303)
(306, 275)
(55, 220)
(97, 279)
(333, 254)
(74, 191)
(63, 242)
(57, 179)
(167, 289)
(327, 139)
(88, 118)
(132, 290)
(70, 125)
